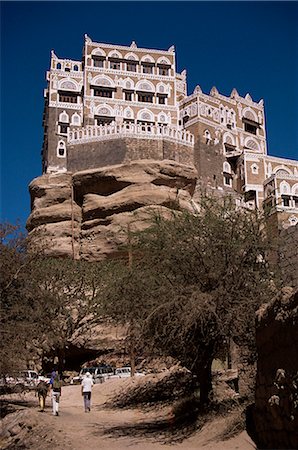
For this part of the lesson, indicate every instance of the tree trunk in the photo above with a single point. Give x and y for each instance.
(205, 379)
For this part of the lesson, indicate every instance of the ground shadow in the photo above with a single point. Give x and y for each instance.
(10, 406)
(160, 430)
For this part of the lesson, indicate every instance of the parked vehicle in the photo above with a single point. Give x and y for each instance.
(99, 374)
(29, 377)
(46, 378)
(102, 373)
(125, 372)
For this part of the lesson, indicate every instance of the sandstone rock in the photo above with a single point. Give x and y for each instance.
(50, 189)
(107, 180)
(103, 237)
(55, 213)
(90, 219)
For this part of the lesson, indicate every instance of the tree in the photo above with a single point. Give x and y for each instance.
(19, 300)
(43, 300)
(195, 283)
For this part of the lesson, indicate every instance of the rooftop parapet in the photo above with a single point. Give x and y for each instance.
(94, 133)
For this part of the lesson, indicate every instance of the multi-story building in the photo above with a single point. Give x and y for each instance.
(123, 103)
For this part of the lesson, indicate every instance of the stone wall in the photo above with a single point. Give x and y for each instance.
(288, 256)
(116, 151)
(273, 419)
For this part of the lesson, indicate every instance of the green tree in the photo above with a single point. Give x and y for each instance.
(43, 300)
(195, 282)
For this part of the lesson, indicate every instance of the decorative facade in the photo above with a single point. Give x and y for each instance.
(122, 103)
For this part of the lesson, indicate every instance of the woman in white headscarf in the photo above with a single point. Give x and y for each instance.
(87, 384)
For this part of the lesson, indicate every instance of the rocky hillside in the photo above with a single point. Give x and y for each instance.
(86, 215)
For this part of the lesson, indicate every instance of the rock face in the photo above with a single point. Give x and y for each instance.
(273, 420)
(86, 215)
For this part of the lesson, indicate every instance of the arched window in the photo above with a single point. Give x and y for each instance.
(58, 66)
(207, 136)
(76, 119)
(251, 144)
(285, 188)
(104, 115)
(61, 149)
(114, 58)
(147, 63)
(63, 123)
(145, 117)
(227, 174)
(162, 119)
(63, 117)
(145, 91)
(75, 68)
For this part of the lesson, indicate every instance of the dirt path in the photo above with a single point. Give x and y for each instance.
(119, 429)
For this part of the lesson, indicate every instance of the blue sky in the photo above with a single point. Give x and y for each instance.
(252, 46)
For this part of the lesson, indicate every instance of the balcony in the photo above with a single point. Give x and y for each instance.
(94, 133)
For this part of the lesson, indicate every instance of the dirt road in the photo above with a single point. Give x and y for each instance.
(119, 429)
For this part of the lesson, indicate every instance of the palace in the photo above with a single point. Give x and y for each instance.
(125, 103)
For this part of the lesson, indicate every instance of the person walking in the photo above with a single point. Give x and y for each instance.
(87, 384)
(55, 384)
(42, 392)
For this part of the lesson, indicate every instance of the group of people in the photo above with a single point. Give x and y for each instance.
(55, 387)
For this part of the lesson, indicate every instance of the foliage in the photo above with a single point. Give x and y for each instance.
(196, 282)
(43, 300)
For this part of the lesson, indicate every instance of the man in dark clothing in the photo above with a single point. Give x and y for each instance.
(42, 392)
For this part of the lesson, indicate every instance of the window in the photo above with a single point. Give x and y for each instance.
(61, 149)
(255, 169)
(97, 61)
(63, 127)
(207, 137)
(163, 71)
(114, 65)
(147, 68)
(162, 99)
(75, 68)
(103, 92)
(103, 120)
(295, 200)
(131, 67)
(76, 119)
(250, 128)
(145, 97)
(58, 66)
(285, 200)
(128, 96)
(67, 69)
(229, 149)
(68, 97)
(227, 179)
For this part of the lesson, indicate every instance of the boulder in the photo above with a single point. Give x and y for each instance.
(86, 215)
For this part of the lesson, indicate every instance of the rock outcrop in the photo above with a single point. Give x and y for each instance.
(273, 419)
(86, 215)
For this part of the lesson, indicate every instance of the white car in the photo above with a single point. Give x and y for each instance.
(125, 372)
